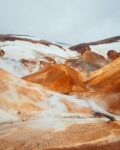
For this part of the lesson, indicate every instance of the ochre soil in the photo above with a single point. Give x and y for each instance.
(89, 136)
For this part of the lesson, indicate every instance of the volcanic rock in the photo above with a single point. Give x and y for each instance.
(2, 53)
(112, 54)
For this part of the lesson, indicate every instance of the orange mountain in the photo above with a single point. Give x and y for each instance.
(58, 77)
(106, 85)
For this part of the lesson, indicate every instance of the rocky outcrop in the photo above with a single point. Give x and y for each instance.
(51, 60)
(81, 48)
(112, 54)
(2, 53)
(94, 59)
(89, 61)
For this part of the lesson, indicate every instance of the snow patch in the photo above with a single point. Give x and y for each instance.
(16, 67)
(102, 49)
(100, 109)
(6, 117)
(23, 49)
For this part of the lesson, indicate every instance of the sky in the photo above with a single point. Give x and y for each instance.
(68, 21)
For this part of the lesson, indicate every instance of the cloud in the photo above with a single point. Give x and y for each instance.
(70, 21)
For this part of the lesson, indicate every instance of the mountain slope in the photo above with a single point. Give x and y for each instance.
(23, 55)
(101, 47)
(19, 97)
(106, 85)
(59, 78)
(85, 116)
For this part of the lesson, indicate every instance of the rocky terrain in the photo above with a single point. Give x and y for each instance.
(55, 96)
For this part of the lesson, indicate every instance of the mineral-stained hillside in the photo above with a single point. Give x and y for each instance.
(52, 97)
(59, 78)
(87, 62)
(106, 83)
(19, 97)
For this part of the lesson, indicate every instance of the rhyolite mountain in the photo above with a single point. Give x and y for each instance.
(57, 96)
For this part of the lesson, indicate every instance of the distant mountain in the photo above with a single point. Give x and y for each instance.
(100, 47)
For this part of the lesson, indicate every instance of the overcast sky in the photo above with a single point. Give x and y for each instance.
(69, 21)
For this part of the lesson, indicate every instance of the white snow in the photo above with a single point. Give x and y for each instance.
(16, 67)
(64, 45)
(26, 37)
(100, 109)
(23, 49)
(57, 106)
(56, 115)
(17, 50)
(6, 117)
(13, 66)
(104, 48)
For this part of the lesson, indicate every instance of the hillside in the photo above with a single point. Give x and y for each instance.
(53, 96)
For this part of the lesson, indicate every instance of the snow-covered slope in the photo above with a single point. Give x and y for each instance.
(32, 50)
(33, 117)
(22, 99)
(101, 47)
